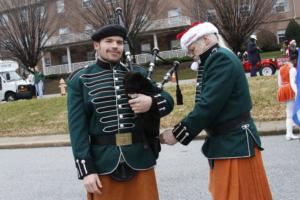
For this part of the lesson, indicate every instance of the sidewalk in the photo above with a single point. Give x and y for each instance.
(264, 128)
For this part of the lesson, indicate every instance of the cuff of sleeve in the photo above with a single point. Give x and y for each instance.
(161, 104)
(84, 167)
(181, 134)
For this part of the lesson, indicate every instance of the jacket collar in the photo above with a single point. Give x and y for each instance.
(206, 54)
(105, 65)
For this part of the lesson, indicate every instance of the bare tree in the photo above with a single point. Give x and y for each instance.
(137, 14)
(236, 19)
(25, 27)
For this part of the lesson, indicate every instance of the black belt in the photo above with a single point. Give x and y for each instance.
(120, 139)
(229, 125)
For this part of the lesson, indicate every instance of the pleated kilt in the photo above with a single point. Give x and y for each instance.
(239, 179)
(142, 186)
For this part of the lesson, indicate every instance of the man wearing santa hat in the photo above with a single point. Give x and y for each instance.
(222, 108)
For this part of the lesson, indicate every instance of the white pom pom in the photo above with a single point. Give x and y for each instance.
(195, 66)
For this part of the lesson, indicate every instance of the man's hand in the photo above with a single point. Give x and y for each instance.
(167, 137)
(92, 183)
(141, 103)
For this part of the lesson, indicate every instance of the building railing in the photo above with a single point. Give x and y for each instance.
(68, 38)
(65, 69)
(140, 59)
(144, 58)
(170, 22)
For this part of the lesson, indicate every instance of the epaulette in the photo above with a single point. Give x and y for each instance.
(71, 76)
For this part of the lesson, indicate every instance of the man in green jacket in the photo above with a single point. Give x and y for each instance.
(222, 108)
(39, 82)
(112, 154)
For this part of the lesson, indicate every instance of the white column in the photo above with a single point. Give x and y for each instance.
(43, 62)
(155, 40)
(69, 59)
(294, 9)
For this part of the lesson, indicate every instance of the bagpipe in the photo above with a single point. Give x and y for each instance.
(135, 83)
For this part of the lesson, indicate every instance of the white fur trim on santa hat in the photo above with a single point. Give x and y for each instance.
(196, 32)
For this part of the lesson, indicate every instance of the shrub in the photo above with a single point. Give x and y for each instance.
(293, 31)
(267, 41)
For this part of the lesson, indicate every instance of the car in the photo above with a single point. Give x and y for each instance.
(267, 66)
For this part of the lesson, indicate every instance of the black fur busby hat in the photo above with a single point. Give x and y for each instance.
(109, 30)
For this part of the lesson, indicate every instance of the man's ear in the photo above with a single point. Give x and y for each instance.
(96, 45)
(206, 39)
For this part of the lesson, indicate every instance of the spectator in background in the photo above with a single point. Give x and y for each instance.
(253, 54)
(292, 48)
(288, 90)
(38, 82)
(284, 48)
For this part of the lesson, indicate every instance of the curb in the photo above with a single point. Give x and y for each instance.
(30, 142)
(34, 145)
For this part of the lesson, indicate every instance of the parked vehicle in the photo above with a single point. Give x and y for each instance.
(266, 67)
(12, 86)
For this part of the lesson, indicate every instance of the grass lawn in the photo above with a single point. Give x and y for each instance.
(48, 116)
(271, 54)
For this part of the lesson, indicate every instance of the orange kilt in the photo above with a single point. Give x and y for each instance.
(141, 187)
(285, 93)
(239, 179)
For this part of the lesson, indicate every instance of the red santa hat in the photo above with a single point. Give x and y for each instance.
(194, 32)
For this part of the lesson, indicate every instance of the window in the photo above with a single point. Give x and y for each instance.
(110, 1)
(211, 15)
(12, 76)
(24, 15)
(63, 33)
(146, 47)
(280, 36)
(90, 55)
(3, 19)
(64, 59)
(245, 10)
(175, 12)
(88, 29)
(60, 6)
(6, 44)
(40, 11)
(175, 44)
(281, 6)
(174, 15)
(112, 19)
(86, 3)
(45, 37)
(47, 62)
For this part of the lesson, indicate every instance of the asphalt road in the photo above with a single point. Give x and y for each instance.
(182, 172)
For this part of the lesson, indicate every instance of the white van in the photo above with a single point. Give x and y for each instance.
(12, 86)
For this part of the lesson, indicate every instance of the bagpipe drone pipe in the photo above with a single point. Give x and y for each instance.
(135, 83)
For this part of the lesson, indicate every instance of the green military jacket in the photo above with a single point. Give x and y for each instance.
(38, 76)
(222, 95)
(98, 105)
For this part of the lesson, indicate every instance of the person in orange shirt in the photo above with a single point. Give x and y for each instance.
(287, 91)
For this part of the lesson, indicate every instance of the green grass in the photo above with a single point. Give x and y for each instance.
(48, 116)
(183, 73)
(33, 117)
(271, 54)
